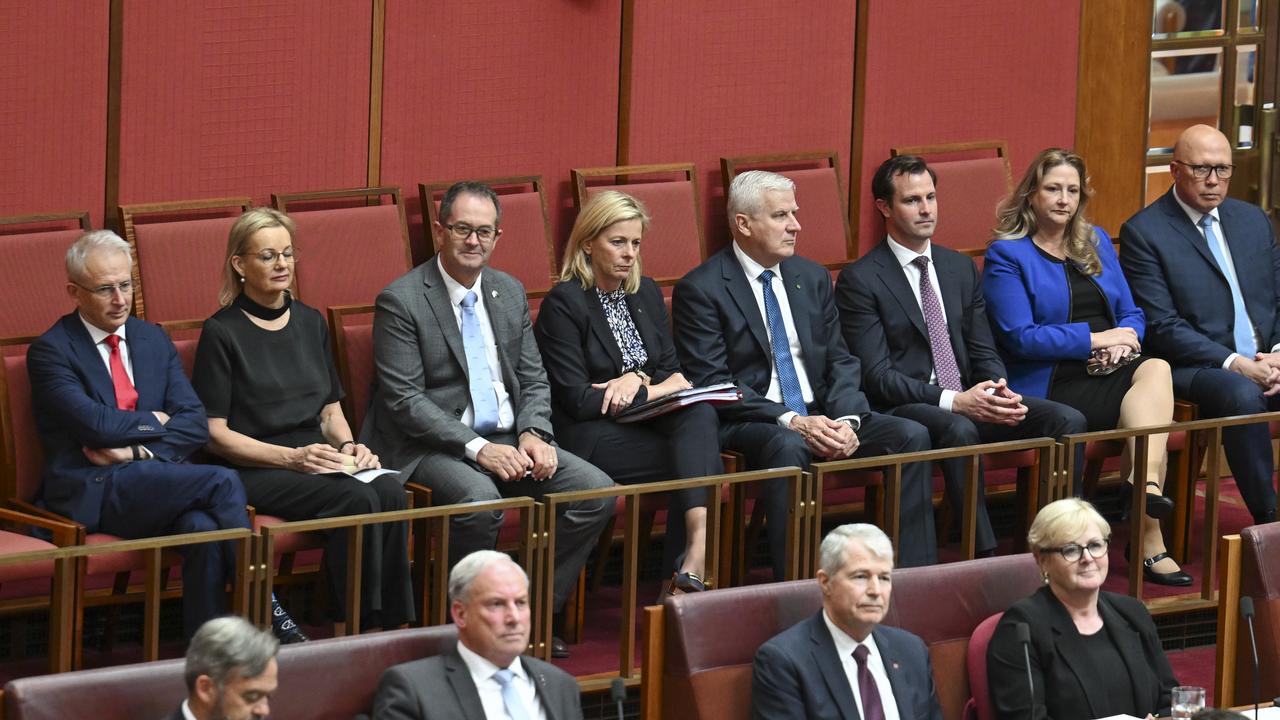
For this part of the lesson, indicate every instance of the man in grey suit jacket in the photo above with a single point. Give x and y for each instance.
(485, 676)
(462, 403)
(230, 672)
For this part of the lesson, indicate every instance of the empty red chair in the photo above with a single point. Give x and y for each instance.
(34, 293)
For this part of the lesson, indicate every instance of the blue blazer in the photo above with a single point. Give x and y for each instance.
(1183, 292)
(798, 675)
(74, 404)
(1029, 305)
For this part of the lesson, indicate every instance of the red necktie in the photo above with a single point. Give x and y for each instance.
(126, 395)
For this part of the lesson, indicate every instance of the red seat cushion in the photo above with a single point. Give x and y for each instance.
(12, 543)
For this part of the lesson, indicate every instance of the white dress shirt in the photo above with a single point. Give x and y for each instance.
(490, 690)
(845, 646)
(906, 258)
(98, 335)
(186, 711)
(506, 416)
(1194, 216)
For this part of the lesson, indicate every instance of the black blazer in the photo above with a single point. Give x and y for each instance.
(579, 349)
(720, 337)
(1066, 680)
(884, 327)
(798, 675)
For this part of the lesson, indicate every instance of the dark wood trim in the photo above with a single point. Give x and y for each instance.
(377, 62)
(115, 63)
(625, 68)
(1000, 148)
(861, 39)
(372, 196)
(1112, 94)
(81, 217)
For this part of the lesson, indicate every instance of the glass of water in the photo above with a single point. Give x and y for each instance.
(1187, 701)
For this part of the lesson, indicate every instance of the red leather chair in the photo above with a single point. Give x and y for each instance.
(973, 177)
(34, 246)
(979, 706)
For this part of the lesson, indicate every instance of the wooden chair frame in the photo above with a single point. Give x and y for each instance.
(80, 216)
(128, 219)
(620, 173)
(730, 167)
(280, 201)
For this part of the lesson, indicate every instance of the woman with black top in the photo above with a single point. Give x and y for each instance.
(607, 346)
(1068, 329)
(265, 374)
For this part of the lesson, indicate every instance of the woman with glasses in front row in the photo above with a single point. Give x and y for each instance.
(265, 374)
(1091, 653)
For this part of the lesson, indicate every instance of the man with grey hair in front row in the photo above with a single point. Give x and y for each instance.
(485, 675)
(230, 672)
(842, 662)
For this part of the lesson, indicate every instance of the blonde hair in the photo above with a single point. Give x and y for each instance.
(245, 226)
(1061, 521)
(1015, 218)
(603, 209)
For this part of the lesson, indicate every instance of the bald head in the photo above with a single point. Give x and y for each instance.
(1200, 147)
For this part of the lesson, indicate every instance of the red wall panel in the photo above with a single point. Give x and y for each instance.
(474, 89)
(738, 77)
(243, 97)
(53, 106)
(941, 72)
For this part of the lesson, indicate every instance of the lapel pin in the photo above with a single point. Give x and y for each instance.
(797, 286)
(493, 293)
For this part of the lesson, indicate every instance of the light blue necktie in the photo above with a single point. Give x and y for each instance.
(1245, 344)
(788, 381)
(484, 401)
(510, 698)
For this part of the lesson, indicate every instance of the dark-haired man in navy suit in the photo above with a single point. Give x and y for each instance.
(1206, 271)
(913, 314)
(841, 662)
(758, 315)
(118, 419)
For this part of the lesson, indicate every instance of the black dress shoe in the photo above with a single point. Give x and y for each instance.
(559, 648)
(1158, 506)
(1177, 578)
(1264, 518)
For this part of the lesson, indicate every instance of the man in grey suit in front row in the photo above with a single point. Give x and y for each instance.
(485, 676)
(462, 404)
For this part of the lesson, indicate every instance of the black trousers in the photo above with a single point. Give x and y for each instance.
(769, 445)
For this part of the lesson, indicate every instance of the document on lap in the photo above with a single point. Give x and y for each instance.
(364, 476)
(718, 394)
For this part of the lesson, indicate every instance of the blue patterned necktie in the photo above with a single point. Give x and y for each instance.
(1245, 344)
(944, 356)
(510, 698)
(788, 381)
(484, 401)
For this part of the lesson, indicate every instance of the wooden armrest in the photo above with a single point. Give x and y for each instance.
(253, 515)
(1183, 411)
(420, 495)
(64, 532)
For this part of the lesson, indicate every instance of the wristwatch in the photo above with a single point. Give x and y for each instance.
(541, 434)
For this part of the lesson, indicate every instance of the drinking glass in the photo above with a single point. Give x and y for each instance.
(1187, 701)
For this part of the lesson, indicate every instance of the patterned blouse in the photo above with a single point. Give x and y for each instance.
(624, 330)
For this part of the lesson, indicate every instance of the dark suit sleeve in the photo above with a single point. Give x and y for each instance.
(1168, 334)
(397, 697)
(864, 333)
(843, 379)
(1274, 338)
(1007, 671)
(534, 407)
(775, 686)
(188, 426)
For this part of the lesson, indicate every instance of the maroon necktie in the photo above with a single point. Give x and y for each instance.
(871, 709)
(944, 357)
(126, 394)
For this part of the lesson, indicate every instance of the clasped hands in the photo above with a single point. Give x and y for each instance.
(1263, 369)
(533, 456)
(621, 391)
(990, 401)
(324, 458)
(826, 438)
(1115, 345)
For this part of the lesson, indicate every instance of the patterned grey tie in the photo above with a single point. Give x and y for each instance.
(944, 356)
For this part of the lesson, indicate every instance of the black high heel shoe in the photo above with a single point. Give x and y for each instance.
(1159, 507)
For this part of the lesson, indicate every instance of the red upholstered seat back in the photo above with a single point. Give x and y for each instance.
(347, 255)
(34, 293)
(1260, 580)
(673, 245)
(978, 642)
(27, 456)
(354, 335)
(180, 267)
(824, 234)
(969, 191)
(320, 680)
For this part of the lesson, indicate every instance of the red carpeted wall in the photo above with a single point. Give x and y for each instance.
(53, 107)
(737, 77)
(942, 72)
(243, 97)
(474, 88)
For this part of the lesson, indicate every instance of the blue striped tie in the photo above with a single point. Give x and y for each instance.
(484, 401)
(1245, 344)
(788, 381)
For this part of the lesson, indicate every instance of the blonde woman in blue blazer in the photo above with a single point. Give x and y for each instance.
(1069, 331)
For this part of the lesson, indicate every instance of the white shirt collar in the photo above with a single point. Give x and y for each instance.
(96, 333)
(482, 670)
(456, 290)
(751, 267)
(845, 644)
(1193, 214)
(906, 255)
(186, 711)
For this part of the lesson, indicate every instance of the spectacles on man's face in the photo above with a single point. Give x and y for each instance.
(268, 257)
(1071, 551)
(108, 291)
(1201, 172)
(462, 231)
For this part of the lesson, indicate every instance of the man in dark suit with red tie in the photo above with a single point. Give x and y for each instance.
(118, 419)
(841, 662)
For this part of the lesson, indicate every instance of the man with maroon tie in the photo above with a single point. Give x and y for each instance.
(118, 419)
(841, 662)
